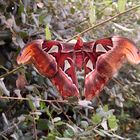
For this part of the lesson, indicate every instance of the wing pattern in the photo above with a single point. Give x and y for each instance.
(59, 62)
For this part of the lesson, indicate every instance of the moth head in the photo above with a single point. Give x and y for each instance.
(29, 51)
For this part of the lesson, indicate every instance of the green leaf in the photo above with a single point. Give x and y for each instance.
(48, 113)
(60, 123)
(21, 8)
(105, 108)
(121, 5)
(106, 2)
(41, 18)
(78, 29)
(29, 118)
(58, 138)
(92, 12)
(112, 122)
(84, 124)
(68, 133)
(42, 124)
(42, 105)
(72, 10)
(51, 136)
(99, 132)
(96, 118)
(47, 32)
(32, 107)
(23, 34)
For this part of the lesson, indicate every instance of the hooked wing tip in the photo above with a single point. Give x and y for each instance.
(122, 39)
(129, 48)
(27, 52)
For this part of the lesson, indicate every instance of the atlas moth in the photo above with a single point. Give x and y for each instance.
(99, 59)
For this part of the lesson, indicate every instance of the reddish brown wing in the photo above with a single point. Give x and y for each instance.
(92, 50)
(109, 59)
(50, 60)
(64, 55)
(94, 82)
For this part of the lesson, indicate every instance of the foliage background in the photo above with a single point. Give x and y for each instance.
(114, 115)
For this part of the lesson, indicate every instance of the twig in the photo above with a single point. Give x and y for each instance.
(98, 13)
(64, 113)
(5, 69)
(103, 22)
(35, 130)
(99, 100)
(118, 82)
(27, 99)
(11, 72)
(5, 138)
(11, 128)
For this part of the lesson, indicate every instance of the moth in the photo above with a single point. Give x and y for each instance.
(99, 59)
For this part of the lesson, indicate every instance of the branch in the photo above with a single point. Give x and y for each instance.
(103, 22)
(27, 99)
(11, 72)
